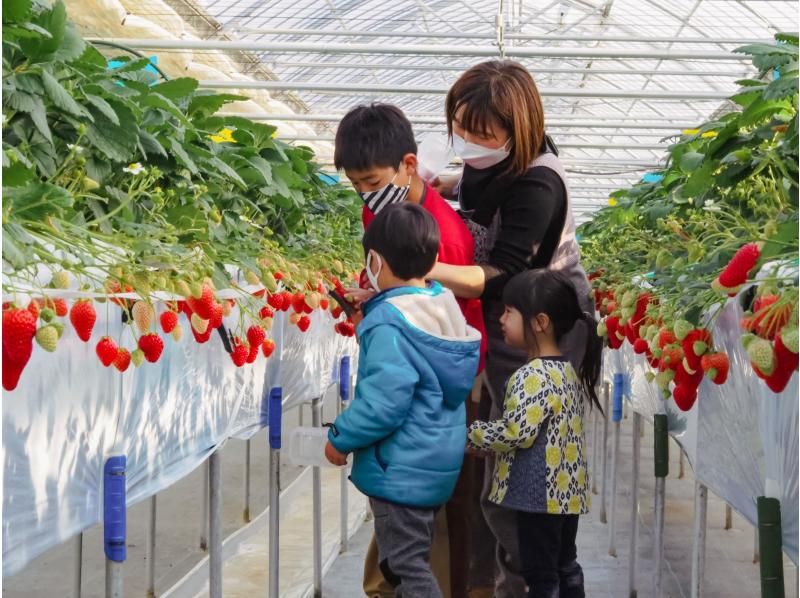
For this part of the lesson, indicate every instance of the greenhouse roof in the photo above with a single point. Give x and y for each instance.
(619, 77)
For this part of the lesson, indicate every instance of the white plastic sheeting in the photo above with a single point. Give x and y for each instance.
(740, 437)
(69, 414)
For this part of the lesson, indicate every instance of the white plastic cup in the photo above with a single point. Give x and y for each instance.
(433, 156)
(307, 447)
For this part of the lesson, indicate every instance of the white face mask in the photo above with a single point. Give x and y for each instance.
(373, 277)
(478, 156)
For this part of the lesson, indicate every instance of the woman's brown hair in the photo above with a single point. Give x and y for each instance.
(502, 91)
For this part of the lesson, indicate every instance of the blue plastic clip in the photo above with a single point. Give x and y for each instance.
(344, 378)
(114, 508)
(619, 389)
(275, 414)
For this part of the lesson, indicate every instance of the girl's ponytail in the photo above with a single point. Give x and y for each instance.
(591, 365)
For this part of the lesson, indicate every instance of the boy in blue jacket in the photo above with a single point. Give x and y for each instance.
(407, 424)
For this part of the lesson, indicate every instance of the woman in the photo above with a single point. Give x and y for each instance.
(514, 196)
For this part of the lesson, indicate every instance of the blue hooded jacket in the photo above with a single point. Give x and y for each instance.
(407, 423)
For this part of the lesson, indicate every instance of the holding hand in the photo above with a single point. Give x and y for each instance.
(334, 456)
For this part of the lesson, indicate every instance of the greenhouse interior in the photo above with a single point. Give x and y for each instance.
(446, 298)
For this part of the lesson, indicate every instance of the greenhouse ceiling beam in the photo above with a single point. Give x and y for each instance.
(605, 146)
(423, 50)
(400, 89)
(464, 67)
(439, 120)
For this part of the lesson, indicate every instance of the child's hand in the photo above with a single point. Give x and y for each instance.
(334, 456)
(359, 296)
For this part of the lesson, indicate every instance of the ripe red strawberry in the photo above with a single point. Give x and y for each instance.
(255, 336)
(738, 269)
(685, 376)
(615, 334)
(278, 275)
(202, 337)
(640, 346)
(34, 308)
(123, 359)
(152, 346)
(11, 373)
(303, 323)
(324, 303)
(685, 397)
(298, 302)
(83, 316)
(671, 358)
(239, 355)
(287, 300)
(267, 347)
(665, 337)
(253, 354)
(695, 344)
(336, 312)
(204, 305)
(60, 307)
(168, 319)
(779, 379)
(786, 349)
(266, 312)
(275, 300)
(716, 366)
(348, 328)
(19, 328)
(216, 317)
(106, 350)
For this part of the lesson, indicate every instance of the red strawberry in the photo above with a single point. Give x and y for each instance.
(685, 397)
(239, 355)
(253, 354)
(336, 312)
(19, 328)
(275, 300)
(688, 377)
(255, 336)
(267, 347)
(671, 358)
(298, 302)
(324, 303)
(106, 350)
(152, 346)
(348, 328)
(615, 335)
(123, 359)
(779, 379)
(83, 316)
(266, 312)
(666, 337)
(278, 275)
(216, 317)
(34, 307)
(640, 346)
(787, 359)
(287, 300)
(204, 305)
(11, 373)
(716, 366)
(61, 308)
(695, 344)
(303, 323)
(168, 319)
(738, 269)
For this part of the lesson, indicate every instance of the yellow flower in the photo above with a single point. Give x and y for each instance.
(581, 476)
(577, 424)
(498, 447)
(532, 385)
(224, 136)
(513, 429)
(502, 469)
(477, 436)
(556, 376)
(571, 376)
(511, 403)
(552, 456)
(574, 507)
(562, 481)
(554, 401)
(553, 506)
(571, 452)
(690, 131)
(535, 415)
(709, 135)
(612, 202)
(562, 429)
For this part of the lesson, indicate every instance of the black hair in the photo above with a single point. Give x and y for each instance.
(407, 237)
(548, 292)
(374, 135)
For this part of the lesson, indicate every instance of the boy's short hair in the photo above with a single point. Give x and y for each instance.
(407, 237)
(374, 135)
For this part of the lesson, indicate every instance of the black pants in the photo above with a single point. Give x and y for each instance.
(549, 555)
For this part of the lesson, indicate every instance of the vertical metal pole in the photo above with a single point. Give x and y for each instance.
(344, 396)
(273, 408)
(114, 523)
(699, 547)
(728, 517)
(661, 462)
(756, 555)
(300, 416)
(76, 588)
(150, 554)
(681, 463)
(595, 447)
(215, 526)
(634, 539)
(204, 520)
(616, 413)
(770, 545)
(603, 492)
(316, 421)
(246, 509)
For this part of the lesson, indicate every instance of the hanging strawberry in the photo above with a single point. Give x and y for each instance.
(152, 346)
(106, 350)
(83, 316)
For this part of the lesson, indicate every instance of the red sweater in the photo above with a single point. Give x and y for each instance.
(455, 248)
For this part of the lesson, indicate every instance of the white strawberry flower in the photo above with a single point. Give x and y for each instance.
(134, 169)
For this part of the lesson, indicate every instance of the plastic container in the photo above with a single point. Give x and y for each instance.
(433, 156)
(307, 447)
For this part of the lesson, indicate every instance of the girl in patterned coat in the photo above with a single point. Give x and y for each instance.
(540, 470)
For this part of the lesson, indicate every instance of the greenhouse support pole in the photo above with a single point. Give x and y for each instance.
(76, 588)
(595, 447)
(344, 397)
(616, 416)
(699, 545)
(634, 538)
(215, 525)
(681, 462)
(271, 408)
(603, 492)
(756, 555)
(728, 517)
(770, 545)
(150, 549)
(204, 520)
(114, 523)
(661, 466)
(316, 498)
(246, 507)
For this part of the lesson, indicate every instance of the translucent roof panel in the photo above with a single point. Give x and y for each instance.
(612, 115)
